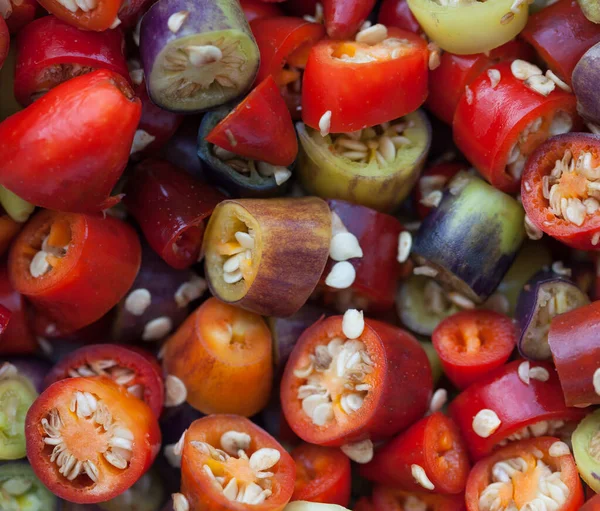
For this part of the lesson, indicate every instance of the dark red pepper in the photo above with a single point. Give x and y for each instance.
(21, 13)
(561, 34)
(171, 208)
(50, 51)
(255, 9)
(17, 338)
(4, 41)
(378, 269)
(343, 18)
(396, 13)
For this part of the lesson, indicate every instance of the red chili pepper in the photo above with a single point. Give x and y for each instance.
(301, 7)
(434, 179)
(392, 84)
(67, 150)
(259, 128)
(136, 372)
(156, 122)
(106, 416)
(5, 315)
(102, 16)
(378, 270)
(430, 456)
(573, 340)
(396, 13)
(448, 81)
(524, 409)
(4, 41)
(256, 9)
(579, 230)
(343, 18)
(561, 34)
(83, 266)
(20, 13)
(8, 230)
(491, 137)
(394, 369)
(470, 344)
(49, 52)
(322, 475)
(131, 11)
(284, 44)
(387, 498)
(198, 486)
(522, 485)
(592, 505)
(18, 337)
(171, 208)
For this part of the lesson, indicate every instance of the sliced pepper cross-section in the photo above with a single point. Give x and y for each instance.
(95, 15)
(498, 141)
(267, 256)
(374, 167)
(351, 85)
(198, 55)
(561, 189)
(337, 391)
(89, 440)
(228, 463)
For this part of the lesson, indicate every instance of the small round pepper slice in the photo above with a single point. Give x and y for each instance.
(96, 15)
(250, 467)
(350, 85)
(89, 440)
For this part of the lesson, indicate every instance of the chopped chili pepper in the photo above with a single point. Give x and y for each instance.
(18, 337)
(472, 343)
(95, 15)
(433, 181)
(397, 13)
(343, 18)
(255, 9)
(171, 208)
(387, 498)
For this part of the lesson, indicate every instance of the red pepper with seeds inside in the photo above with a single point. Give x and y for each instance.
(18, 337)
(434, 180)
(472, 343)
(386, 498)
(172, 208)
(514, 476)
(261, 477)
(527, 401)
(256, 9)
(322, 475)
(67, 150)
(74, 268)
(50, 52)
(88, 440)
(259, 128)
(366, 388)
(448, 81)
(136, 373)
(561, 34)
(343, 18)
(378, 270)
(349, 86)
(563, 169)
(573, 340)
(98, 15)
(156, 126)
(430, 456)
(19, 13)
(396, 13)
(284, 43)
(223, 356)
(497, 140)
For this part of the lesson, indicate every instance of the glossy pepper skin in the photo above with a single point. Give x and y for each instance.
(528, 450)
(171, 208)
(396, 13)
(259, 128)
(529, 404)
(561, 34)
(574, 342)
(100, 264)
(343, 18)
(486, 132)
(389, 87)
(447, 82)
(401, 384)
(100, 18)
(433, 443)
(73, 143)
(47, 45)
(378, 270)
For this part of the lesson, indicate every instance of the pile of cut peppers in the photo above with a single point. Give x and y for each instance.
(299, 255)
